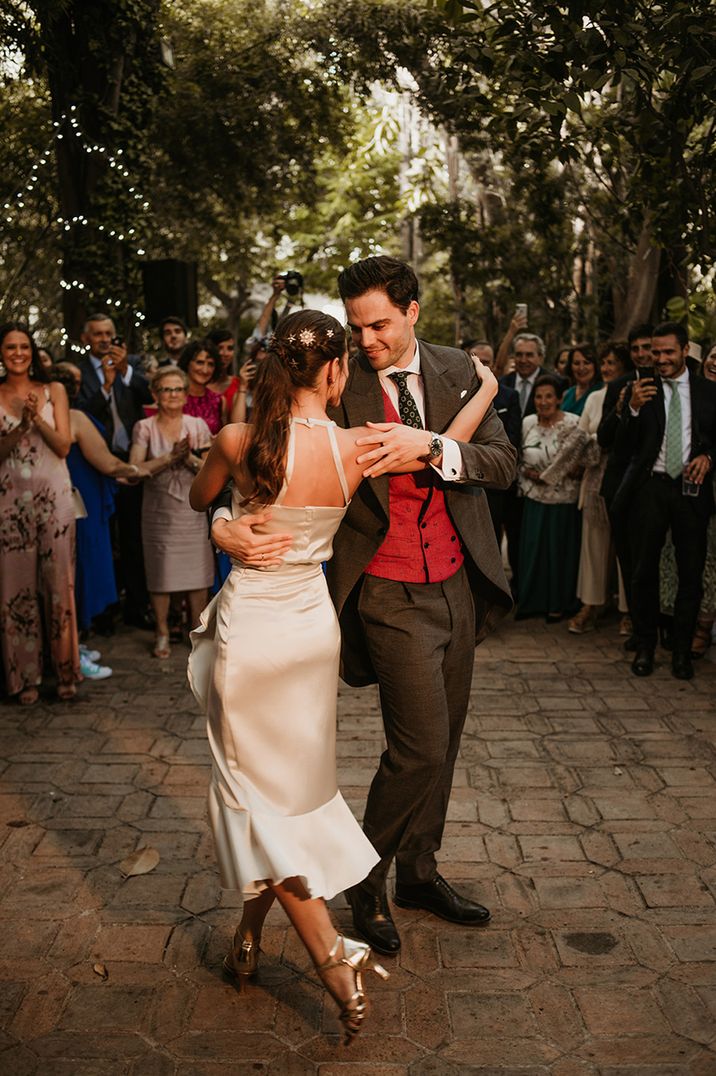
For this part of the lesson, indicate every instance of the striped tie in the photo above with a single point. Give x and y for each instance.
(674, 447)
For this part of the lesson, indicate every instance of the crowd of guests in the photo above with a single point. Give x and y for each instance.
(610, 506)
(614, 499)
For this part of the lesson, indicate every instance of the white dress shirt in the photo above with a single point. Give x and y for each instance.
(680, 385)
(451, 467)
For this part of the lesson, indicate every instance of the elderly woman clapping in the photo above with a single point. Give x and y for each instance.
(177, 551)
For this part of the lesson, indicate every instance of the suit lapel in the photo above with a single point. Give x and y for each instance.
(363, 402)
(442, 392)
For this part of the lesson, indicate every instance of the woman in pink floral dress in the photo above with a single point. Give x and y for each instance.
(37, 522)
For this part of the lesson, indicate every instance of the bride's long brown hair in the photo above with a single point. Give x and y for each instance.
(302, 344)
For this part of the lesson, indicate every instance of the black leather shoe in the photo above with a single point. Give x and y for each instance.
(682, 666)
(643, 663)
(373, 921)
(438, 897)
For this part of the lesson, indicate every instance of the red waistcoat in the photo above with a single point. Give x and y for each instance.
(422, 545)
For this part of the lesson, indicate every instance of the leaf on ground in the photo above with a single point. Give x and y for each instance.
(101, 970)
(142, 861)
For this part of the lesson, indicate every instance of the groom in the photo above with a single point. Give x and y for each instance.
(416, 578)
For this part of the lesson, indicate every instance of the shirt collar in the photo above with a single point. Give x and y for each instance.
(413, 366)
(97, 363)
(682, 379)
(528, 380)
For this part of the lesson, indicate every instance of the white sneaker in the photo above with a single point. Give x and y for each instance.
(91, 671)
(90, 655)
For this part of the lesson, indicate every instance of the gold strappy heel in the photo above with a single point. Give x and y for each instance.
(358, 957)
(243, 960)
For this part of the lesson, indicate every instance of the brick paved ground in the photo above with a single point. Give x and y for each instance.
(584, 814)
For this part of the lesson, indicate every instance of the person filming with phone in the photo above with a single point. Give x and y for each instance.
(668, 433)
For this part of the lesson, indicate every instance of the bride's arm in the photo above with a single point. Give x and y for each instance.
(226, 452)
(403, 448)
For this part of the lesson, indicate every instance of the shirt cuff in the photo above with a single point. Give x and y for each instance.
(632, 412)
(452, 468)
(127, 376)
(221, 513)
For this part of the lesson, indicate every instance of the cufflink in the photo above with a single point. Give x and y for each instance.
(463, 393)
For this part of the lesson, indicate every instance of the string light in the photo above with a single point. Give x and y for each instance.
(16, 200)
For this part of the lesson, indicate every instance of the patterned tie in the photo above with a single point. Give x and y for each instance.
(407, 407)
(674, 451)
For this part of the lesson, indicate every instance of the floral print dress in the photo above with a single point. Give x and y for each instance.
(37, 558)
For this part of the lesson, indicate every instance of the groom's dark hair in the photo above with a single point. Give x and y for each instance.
(390, 275)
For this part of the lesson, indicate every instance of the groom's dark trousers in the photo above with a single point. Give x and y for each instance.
(417, 640)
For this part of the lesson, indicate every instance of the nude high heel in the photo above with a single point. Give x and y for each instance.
(242, 962)
(358, 957)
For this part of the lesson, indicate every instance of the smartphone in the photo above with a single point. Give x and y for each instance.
(117, 341)
(689, 488)
(521, 308)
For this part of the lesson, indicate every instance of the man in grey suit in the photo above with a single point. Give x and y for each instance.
(416, 579)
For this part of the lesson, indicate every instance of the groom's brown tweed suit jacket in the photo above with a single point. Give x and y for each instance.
(489, 461)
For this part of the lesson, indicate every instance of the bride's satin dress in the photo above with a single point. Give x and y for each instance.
(264, 667)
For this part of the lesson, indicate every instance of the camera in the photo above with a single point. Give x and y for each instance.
(293, 281)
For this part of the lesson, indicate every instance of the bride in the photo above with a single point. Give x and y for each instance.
(264, 662)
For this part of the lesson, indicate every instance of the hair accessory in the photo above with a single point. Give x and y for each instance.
(329, 334)
(307, 337)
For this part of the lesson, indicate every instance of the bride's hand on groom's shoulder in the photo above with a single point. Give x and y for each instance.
(394, 445)
(238, 538)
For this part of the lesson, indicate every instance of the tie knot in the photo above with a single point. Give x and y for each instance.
(401, 379)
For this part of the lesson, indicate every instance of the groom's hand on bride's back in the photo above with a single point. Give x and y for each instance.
(239, 539)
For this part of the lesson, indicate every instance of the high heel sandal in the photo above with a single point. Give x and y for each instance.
(358, 957)
(243, 960)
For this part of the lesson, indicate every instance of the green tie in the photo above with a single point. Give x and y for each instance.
(674, 456)
(407, 407)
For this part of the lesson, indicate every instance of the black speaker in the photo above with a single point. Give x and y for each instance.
(169, 288)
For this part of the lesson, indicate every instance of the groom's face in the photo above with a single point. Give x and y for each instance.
(383, 331)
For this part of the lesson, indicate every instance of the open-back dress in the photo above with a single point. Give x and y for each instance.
(264, 667)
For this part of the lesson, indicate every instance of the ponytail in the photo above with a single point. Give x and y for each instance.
(270, 419)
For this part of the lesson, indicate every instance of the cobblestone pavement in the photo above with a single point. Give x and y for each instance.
(583, 814)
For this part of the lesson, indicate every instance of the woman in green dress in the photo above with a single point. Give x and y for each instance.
(549, 541)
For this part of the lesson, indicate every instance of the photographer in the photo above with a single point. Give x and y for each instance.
(290, 285)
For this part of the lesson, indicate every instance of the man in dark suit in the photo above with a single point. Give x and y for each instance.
(113, 390)
(639, 341)
(416, 579)
(507, 408)
(668, 433)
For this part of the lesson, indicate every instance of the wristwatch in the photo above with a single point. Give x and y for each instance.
(435, 448)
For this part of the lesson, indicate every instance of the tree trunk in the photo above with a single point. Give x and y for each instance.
(636, 304)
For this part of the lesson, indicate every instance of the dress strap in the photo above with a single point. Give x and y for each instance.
(338, 460)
